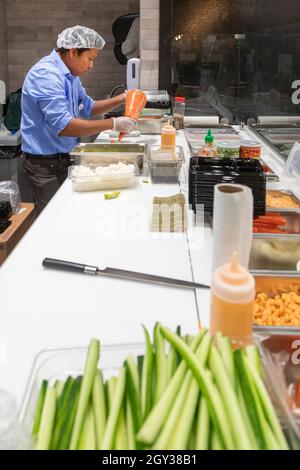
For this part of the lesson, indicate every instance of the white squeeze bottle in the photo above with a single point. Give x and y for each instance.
(232, 303)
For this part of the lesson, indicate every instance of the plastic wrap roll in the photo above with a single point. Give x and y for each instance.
(232, 224)
(205, 121)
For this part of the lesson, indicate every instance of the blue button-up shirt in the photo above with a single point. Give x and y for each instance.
(51, 98)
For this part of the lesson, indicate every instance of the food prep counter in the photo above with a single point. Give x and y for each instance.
(200, 233)
(46, 309)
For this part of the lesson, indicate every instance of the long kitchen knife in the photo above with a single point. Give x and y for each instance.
(119, 273)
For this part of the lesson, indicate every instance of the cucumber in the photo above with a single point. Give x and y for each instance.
(140, 362)
(230, 400)
(86, 389)
(133, 387)
(170, 425)
(253, 356)
(87, 440)
(246, 417)
(111, 388)
(61, 405)
(207, 387)
(202, 426)
(215, 442)
(259, 406)
(172, 363)
(99, 408)
(147, 382)
(192, 440)
(69, 413)
(121, 441)
(47, 420)
(183, 429)
(251, 399)
(160, 363)
(114, 413)
(267, 405)
(156, 418)
(39, 408)
(178, 425)
(130, 426)
(224, 347)
(59, 385)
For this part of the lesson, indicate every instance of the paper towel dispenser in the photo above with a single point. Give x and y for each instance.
(126, 31)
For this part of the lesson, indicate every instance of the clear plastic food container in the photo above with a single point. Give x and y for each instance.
(282, 375)
(228, 149)
(58, 364)
(99, 177)
(164, 164)
(250, 149)
(98, 153)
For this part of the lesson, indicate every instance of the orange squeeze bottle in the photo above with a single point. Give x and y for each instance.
(168, 137)
(232, 303)
(136, 100)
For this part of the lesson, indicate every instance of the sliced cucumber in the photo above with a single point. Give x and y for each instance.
(47, 420)
(86, 389)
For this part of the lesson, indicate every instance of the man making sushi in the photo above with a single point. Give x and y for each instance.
(56, 111)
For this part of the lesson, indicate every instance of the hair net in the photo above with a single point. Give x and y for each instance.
(80, 37)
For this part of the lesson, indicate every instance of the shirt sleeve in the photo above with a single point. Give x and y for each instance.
(86, 103)
(48, 91)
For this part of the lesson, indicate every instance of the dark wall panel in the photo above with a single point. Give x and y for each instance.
(233, 16)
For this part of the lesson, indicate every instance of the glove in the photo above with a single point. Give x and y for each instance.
(124, 95)
(124, 124)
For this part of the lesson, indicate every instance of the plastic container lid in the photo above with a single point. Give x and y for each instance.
(166, 155)
(228, 145)
(179, 99)
(233, 283)
(209, 139)
(292, 166)
(250, 143)
(168, 129)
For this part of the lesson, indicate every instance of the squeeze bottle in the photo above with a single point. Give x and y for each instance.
(208, 149)
(168, 137)
(136, 100)
(232, 303)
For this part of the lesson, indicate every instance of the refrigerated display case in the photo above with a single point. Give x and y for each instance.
(281, 138)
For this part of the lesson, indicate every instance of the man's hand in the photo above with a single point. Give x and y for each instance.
(103, 106)
(124, 95)
(124, 124)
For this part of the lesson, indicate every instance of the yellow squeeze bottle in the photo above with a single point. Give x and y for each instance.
(168, 137)
(232, 303)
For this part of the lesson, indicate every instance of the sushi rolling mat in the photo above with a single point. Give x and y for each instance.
(169, 214)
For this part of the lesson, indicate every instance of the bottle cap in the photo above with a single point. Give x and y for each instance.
(209, 139)
(250, 143)
(233, 283)
(168, 128)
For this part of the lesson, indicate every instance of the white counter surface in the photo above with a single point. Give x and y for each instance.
(43, 309)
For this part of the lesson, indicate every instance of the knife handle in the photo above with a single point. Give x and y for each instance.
(69, 266)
